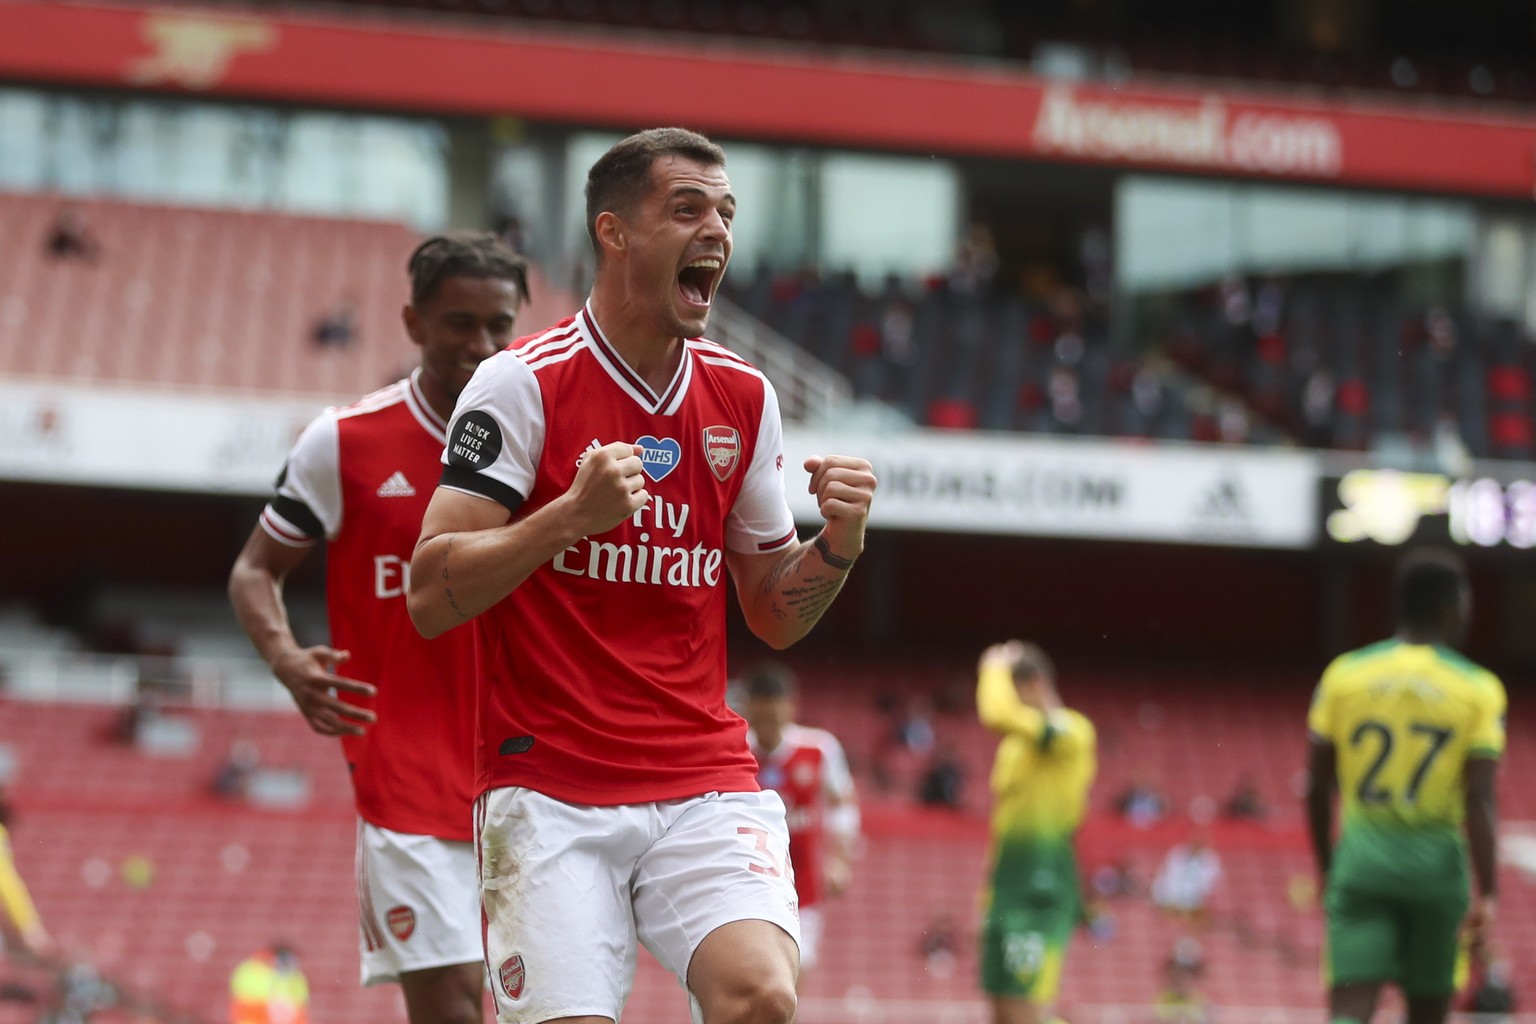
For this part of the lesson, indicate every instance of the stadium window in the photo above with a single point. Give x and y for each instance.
(1181, 233)
(197, 153)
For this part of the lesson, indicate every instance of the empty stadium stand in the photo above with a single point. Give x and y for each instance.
(181, 297)
(1342, 367)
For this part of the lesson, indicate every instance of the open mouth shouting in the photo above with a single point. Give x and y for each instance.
(697, 281)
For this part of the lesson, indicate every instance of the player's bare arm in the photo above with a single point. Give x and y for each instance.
(1322, 779)
(783, 595)
(1482, 823)
(469, 556)
(308, 673)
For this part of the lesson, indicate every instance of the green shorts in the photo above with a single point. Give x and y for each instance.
(1413, 940)
(1022, 951)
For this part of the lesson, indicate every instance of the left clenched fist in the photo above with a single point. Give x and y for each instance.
(844, 486)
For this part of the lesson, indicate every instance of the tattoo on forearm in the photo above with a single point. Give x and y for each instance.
(809, 601)
(804, 597)
(447, 590)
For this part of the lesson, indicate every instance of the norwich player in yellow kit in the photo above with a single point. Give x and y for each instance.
(1409, 733)
(1045, 764)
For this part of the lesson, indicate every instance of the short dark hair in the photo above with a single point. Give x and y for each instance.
(622, 175)
(769, 680)
(1034, 664)
(463, 254)
(1428, 581)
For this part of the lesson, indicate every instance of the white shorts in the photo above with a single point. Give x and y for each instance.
(418, 903)
(569, 890)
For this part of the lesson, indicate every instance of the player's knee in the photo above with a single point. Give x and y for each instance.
(763, 1001)
(772, 1003)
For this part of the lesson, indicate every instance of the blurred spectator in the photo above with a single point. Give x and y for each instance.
(1189, 873)
(1269, 308)
(1096, 252)
(337, 328)
(1147, 390)
(1236, 306)
(897, 336)
(1317, 399)
(1066, 396)
(1112, 881)
(70, 238)
(975, 262)
(914, 730)
(1181, 1001)
(1141, 803)
(1440, 330)
(1232, 421)
(268, 987)
(231, 779)
(939, 944)
(82, 991)
(1245, 803)
(943, 785)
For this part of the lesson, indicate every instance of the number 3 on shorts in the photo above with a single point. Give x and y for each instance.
(761, 847)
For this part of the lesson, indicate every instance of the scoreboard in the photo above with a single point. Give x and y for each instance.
(1392, 508)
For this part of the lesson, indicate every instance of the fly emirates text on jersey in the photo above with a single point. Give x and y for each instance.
(652, 560)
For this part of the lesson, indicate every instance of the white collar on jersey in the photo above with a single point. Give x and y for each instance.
(666, 403)
(416, 401)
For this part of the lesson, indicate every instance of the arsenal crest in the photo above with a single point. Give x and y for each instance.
(722, 447)
(401, 921)
(512, 976)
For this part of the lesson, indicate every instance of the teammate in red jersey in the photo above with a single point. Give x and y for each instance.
(809, 771)
(600, 480)
(360, 478)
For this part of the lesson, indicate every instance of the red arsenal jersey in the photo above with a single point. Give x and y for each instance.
(601, 678)
(810, 773)
(361, 478)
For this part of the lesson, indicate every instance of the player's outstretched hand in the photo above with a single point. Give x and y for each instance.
(844, 487)
(609, 487)
(310, 675)
(1003, 655)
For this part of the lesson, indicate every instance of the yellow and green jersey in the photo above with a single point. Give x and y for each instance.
(1404, 720)
(13, 892)
(1040, 779)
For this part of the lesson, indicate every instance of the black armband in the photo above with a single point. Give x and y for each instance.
(825, 551)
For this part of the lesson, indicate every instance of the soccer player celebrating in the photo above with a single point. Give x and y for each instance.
(809, 771)
(1409, 732)
(1040, 779)
(600, 479)
(360, 478)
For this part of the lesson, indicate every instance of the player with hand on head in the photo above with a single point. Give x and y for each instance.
(809, 771)
(1040, 780)
(1409, 733)
(359, 479)
(601, 481)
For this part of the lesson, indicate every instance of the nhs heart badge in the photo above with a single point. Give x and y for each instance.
(659, 455)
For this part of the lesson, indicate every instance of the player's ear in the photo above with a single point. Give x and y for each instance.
(413, 325)
(610, 231)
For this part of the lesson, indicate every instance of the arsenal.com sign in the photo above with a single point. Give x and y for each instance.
(1205, 135)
